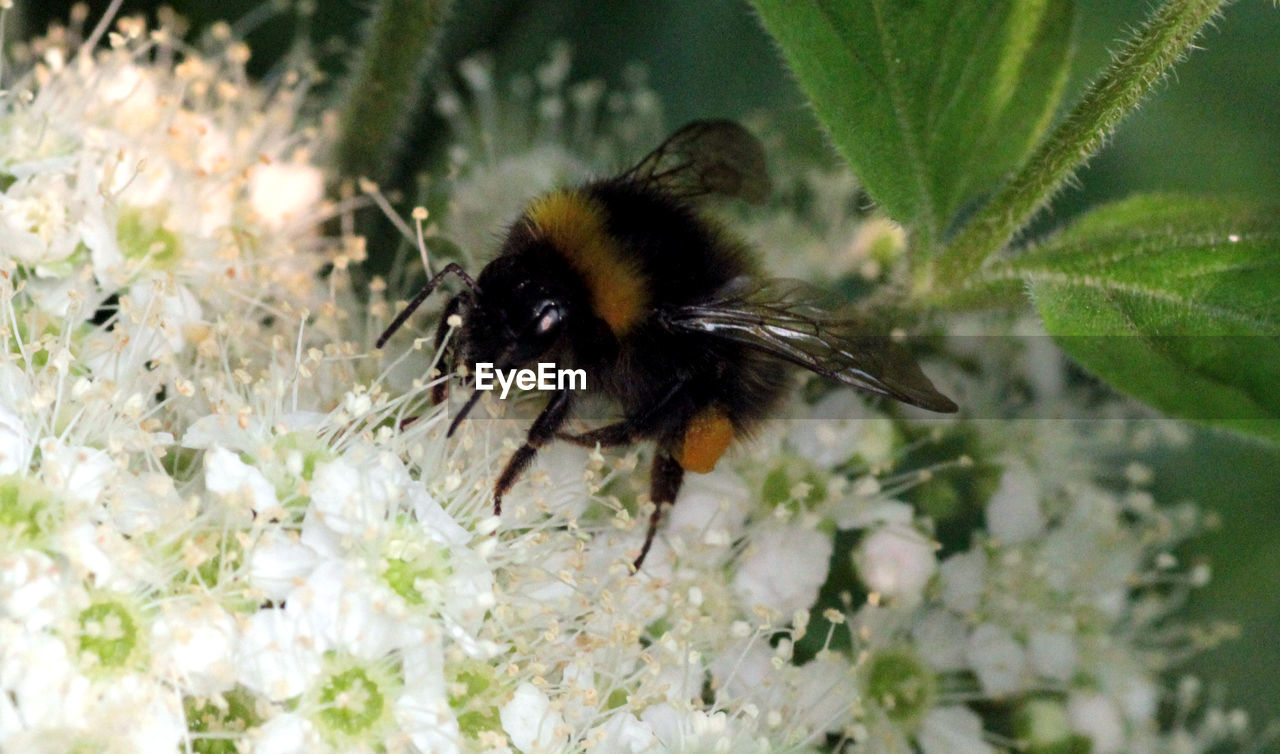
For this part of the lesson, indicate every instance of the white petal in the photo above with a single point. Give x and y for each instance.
(282, 192)
(624, 732)
(718, 501)
(783, 568)
(276, 657)
(997, 658)
(896, 561)
(1053, 654)
(279, 562)
(1097, 717)
(193, 647)
(963, 580)
(31, 590)
(530, 722)
(78, 472)
(15, 443)
(940, 638)
(344, 609)
(952, 730)
(1013, 512)
(226, 474)
(286, 733)
(354, 494)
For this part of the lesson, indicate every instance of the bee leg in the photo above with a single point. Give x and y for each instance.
(621, 433)
(665, 478)
(444, 362)
(543, 429)
(629, 429)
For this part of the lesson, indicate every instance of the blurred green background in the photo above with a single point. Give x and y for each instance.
(1212, 128)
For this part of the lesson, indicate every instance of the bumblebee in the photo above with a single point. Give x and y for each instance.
(666, 312)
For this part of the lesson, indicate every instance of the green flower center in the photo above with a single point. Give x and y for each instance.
(217, 727)
(25, 510)
(472, 690)
(109, 633)
(901, 684)
(409, 576)
(352, 703)
(141, 235)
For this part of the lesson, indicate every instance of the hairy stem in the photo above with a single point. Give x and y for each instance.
(382, 91)
(1145, 58)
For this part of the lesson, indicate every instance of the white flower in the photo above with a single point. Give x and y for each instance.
(39, 680)
(963, 580)
(225, 431)
(193, 646)
(101, 553)
(940, 638)
(783, 567)
(530, 721)
(276, 657)
(1013, 512)
(695, 732)
(286, 733)
(623, 733)
(317, 568)
(998, 659)
(825, 694)
(281, 193)
(1053, 654)
(145, 503)
(78, 472)
(344, 608)
(225, 474)
(138, 711)
(36, 225)
(32, 591)
(713, 508)
(952, 730)
(1097, 717)
(353, 495)
(896, 561)
(130, 92)
(843, 426)
(166, 310)
(15, 442)
(280, 560)
(423, 709)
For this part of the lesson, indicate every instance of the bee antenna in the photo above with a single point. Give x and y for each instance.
(453, 268)
(462, 412)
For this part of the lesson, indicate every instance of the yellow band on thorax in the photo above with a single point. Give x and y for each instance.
(575, 224)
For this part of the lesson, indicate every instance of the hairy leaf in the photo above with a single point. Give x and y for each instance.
(930, 101)
(1174, 300)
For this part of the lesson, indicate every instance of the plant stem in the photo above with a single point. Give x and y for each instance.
(381, 94)
(1145, 58)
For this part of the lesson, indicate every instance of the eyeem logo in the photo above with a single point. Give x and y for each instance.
(546, 377)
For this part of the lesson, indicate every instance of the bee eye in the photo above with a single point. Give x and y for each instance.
(548, 318)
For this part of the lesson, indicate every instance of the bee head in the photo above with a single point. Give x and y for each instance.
(518, 314)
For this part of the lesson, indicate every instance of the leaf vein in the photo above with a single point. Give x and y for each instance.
(902, 116)
(1110, 287)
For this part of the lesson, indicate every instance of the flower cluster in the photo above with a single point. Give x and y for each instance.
(226, 525)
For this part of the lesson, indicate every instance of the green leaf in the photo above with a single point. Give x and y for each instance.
(1168, 34)
(930, 101)
(1174, 300)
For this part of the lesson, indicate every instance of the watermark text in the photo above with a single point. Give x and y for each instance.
(545, 377)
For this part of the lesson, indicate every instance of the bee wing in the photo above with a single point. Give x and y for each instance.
(707, 157)
(782, 318)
